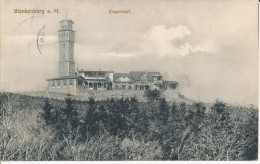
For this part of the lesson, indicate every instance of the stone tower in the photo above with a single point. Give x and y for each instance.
(66, 48)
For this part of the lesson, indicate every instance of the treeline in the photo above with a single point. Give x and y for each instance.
(125, 129)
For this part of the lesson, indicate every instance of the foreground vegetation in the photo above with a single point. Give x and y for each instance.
(35, 128)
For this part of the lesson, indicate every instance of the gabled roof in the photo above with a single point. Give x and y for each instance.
(96, 71)
(137, 75)
(117, 76)
(63, 78)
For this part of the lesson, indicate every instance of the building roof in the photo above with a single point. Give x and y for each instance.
(96, 71)
(63, 78)
(117, 76)
(171, 82)
(66, 20)
(137, 75)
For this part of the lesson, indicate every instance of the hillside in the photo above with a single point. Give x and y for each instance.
(37, 128)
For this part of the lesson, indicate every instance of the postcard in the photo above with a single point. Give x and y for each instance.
(128, 80)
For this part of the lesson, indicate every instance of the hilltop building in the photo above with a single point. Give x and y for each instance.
(77, 82)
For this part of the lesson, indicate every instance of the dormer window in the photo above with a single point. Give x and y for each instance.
(144, 77)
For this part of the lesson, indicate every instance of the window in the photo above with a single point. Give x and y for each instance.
(53, 83)
(116, 86)
(141, 87)
(129, 87)
(63, 56)
(90, 85)
(58, 82)
(64, 82)
(144, 77)
(123, 87)
(71, 82)
(63, 45)
(99, 85)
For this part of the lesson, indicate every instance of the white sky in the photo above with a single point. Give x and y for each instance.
(214, 43)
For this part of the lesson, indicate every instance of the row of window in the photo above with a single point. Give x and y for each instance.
(137, 87)
(66, 26)
(63, 82)
(64, 34)
(64, 56)
(124, 87)
(95, 75)
(71, 45)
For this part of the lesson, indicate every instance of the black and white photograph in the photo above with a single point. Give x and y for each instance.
(129, 80)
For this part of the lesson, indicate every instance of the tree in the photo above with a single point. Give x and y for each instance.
(251, 134)
(47, 116)
(152, 94)
(164, 110)
(71, 114)
(90, 122)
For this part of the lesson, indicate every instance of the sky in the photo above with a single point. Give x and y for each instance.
(212, 44)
